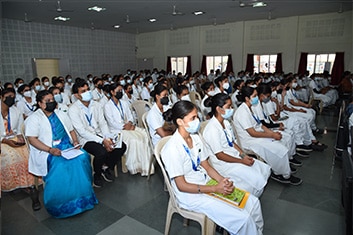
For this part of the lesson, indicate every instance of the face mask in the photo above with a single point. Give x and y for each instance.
(194, 126)
(58, 98)
(122, 82)
(186, 97)
(150, 86)
(90, 79)
(228, 114)
(225, 86)
(100, 86)
(165, 101)
(37, 88)
(110, 79)
(86, 96)
(141, 79)
(211, 93)
(69, 80)
(46, 83)
(274, 94)
(106, 83)
(131, 92)
(253, 86)
(294, 85)
(129, 81)
(254, 100)
(287, 88)
(279, 91)
(50, 106)
(20, 84)
(9, 101)
(119, 95)
(27, 93)
(266, 100)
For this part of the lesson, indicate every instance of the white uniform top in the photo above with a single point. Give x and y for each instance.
(145, 94)
(97, 95)
(205, 110)
(89, 122)
(117, 115)
(16, 122)
(154, 121)
(103, 100)
(26, 108)
(290, 95)
(136, 91)
(66, 99)
(235, 100)
(38, 125)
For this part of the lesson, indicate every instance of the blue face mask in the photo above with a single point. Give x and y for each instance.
(194, 126)
(254, 101)
(58, 98)
(229, 113)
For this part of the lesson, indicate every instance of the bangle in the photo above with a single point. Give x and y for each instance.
(198, 188)
(242, 155)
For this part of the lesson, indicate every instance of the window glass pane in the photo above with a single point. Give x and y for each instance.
(264, 66)
(256, 63)
(209, 63)
(331, 60)
(224, 63)
(174, 64)
(311, 63)
(320, 62)
(272, 67)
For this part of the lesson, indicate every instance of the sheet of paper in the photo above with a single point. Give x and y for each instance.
(71, 153)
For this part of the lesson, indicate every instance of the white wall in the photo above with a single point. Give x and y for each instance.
(325, 33)
(88, 51)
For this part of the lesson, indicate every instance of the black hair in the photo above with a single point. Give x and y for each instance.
(95, 81)
(106, 88)
(237, 83)
(39, 97)
(158, 90)
(113, 86)
(180, 89)
(51, 89)
(8, 90)
(127, 85)
(18, 80)
(7, 84)
(179, 110)
(206, 85)
(45, 77)
(263, 89)
(246, 91)
(215, 101)
(220, 79)
(78, 84)
(31, 83)
(21, 88)
(274, 84)
(147, 79)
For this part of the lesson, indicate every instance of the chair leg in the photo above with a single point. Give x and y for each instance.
(186, 222)
(36, 181)
(123, 164)
(150, 166)
(169, 218)
(116, 170)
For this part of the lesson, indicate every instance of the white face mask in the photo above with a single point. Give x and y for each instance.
(129, 81)
(46, 83)
(69, 80)
(192, 82)
(37, 88)
(294, 85)
(27, 94)
(225, 86)
(150, 86)
(211, 93)
(86, 96)
(186, 97)
(194, 126)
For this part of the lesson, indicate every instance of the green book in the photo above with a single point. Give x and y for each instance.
(236, 197)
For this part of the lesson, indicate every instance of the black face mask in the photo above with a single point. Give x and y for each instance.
(50, 106)
(131, 92)
(266, 100)
(100, 86)
(61, 89)
(119, 95)
(165, 101)
(9, 101)
(279, 91)
(287, 88)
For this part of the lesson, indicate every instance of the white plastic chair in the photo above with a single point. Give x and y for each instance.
(140, 107)
(145, 125)
(194, 95)
(207, 225)
(312, 99)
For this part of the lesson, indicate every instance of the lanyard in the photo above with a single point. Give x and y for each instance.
(89, 119)
(256, 119)
(29, 107)
(121, 110)
(195, 167)
(8, 122)
(229, 142)
(295, 94)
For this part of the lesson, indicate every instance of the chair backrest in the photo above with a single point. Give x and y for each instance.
(157, 154)
(145, 125)
(141, 107)
(203, 126)
(195, 96)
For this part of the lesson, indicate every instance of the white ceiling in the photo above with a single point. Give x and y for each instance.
(139, 11)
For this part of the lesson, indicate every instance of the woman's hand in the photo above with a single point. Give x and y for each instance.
(249, 161)
(281, 126)
(277, 135)
(225, 186)
(11, 143)
(55, 151)
(108, 144)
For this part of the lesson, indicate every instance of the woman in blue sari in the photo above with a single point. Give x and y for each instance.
(68, 182)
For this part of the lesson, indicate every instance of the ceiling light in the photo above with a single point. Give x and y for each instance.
(197, 13)
(152, 20)
(259, 4)
(96, 8)
(61, 18)
(116, 26)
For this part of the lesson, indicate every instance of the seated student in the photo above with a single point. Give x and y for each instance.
(68, 183)
(58, 83)
(14, 152)
(155, 121)
(185, 159)
(208, 89)
(120, 120)
(106, 96)
(237, 87)
(128, 95)
(246, 173)
(320, 93)
(182, 93)
(147, 88)
(35, 86)
(45, 83)
(59, 99)
(136, 87)
(18, 82)
(258, 138)
(222, 85)
(93, 133)
(26, 105)
(97, 93)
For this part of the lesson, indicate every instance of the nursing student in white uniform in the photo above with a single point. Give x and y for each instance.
(208, 89)
(26, 105)
(258, 138)
(147, 88)
(136, 88)
(97, 93)
(120, 120)
(185, 159)
(222, 85)
(155, 120)
(238, 84)
(229, 159)
(59, 99)
(106, 97)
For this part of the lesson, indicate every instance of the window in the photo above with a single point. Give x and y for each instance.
(179, 64)
(265, 63)
(317, 63)
(216, 62)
